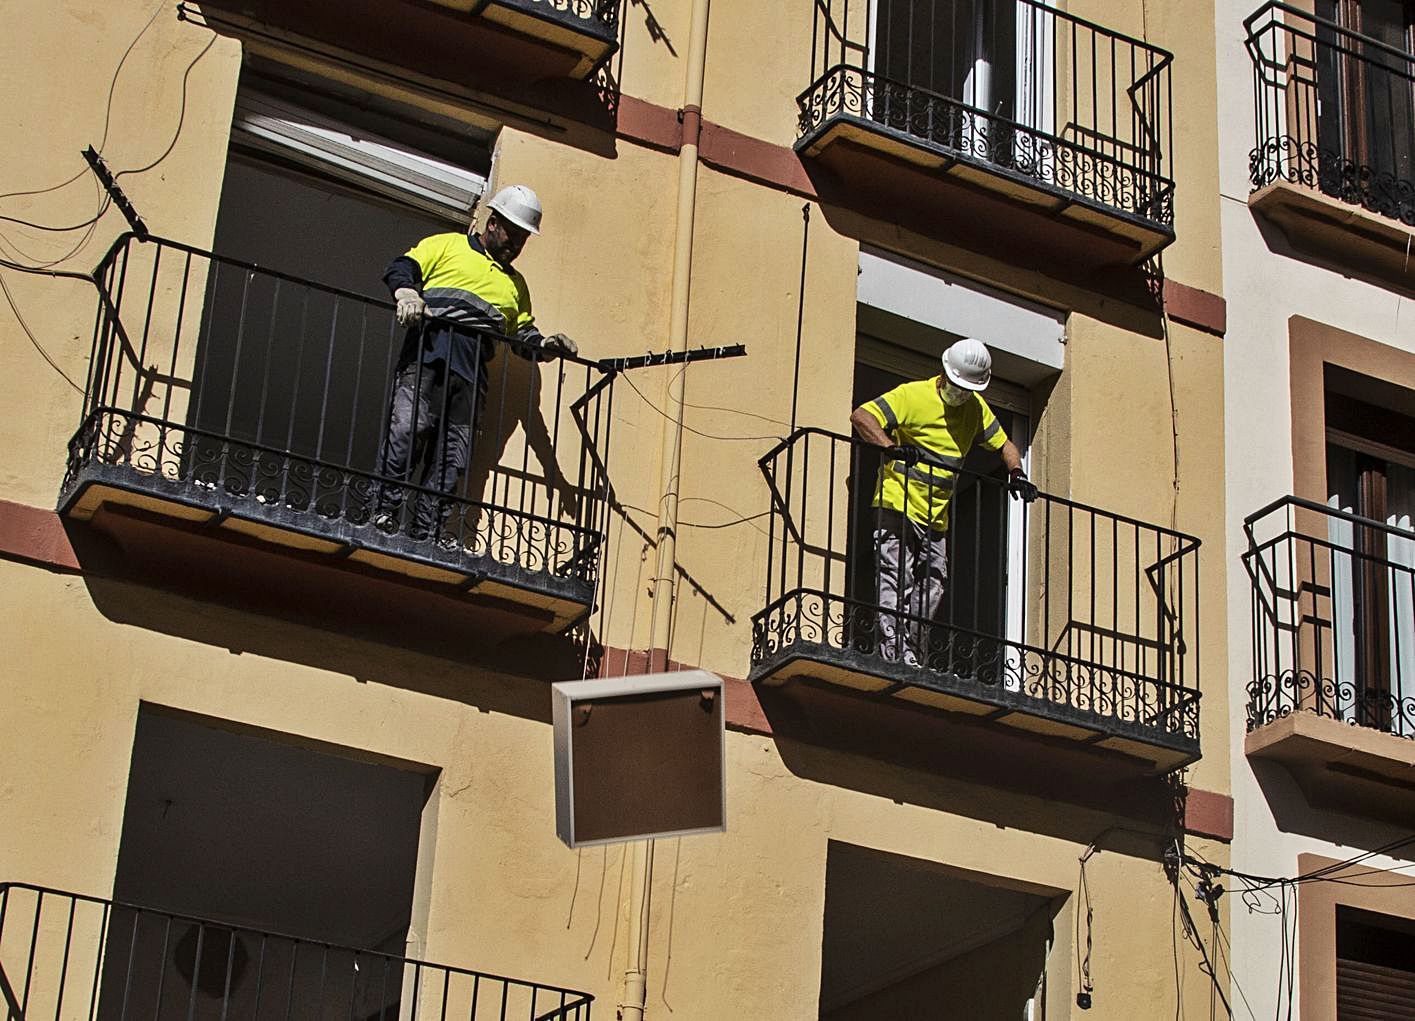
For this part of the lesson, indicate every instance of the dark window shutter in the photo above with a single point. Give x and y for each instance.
(1374, 992)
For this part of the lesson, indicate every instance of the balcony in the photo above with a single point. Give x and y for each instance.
(587, 27)
(67, 955)
(1070, 625)
(1331, 165)
(501, 45)
(1332, 695)
(233, 432)
(1010, 120)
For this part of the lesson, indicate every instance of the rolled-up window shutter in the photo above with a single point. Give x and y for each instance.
(287, 132)
(1375, 967)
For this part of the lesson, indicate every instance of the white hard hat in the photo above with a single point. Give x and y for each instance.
(518, 204)
(968, 363)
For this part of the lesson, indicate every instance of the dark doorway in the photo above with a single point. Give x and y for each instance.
(975, 598)
(289, 848)
(908, 938)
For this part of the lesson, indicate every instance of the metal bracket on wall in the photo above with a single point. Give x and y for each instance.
(701, 354)
(110, 185)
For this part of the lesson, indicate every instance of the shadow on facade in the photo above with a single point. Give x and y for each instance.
(1293, 813)
(973, 769)
(369, 629)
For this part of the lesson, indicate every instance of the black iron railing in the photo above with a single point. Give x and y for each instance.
(215, 382)
(1334, 110)
(1016, 85)
(64, 955)
(601, 17)
(1049, 607)
(1333, 616)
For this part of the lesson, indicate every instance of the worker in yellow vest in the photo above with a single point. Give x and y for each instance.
(441, 386)
(926, 428)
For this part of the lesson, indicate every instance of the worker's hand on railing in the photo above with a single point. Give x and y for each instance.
(561, 344)
(411, 306)
(1020, 486)
(906, 455)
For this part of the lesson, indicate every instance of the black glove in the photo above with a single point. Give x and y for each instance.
(908, 455)
(1020, 486)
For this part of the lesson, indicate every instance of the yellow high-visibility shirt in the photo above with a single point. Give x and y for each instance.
(460, 281)
(915, 415)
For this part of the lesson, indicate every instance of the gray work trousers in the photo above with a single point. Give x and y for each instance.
(911, 568)
(431, 420)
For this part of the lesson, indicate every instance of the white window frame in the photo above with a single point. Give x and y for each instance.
(1035, 92)
(349, 154)
(955, 307)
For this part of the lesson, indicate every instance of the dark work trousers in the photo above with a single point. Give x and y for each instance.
(430, 425)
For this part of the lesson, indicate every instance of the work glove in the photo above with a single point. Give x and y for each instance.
(909, 455)
(1020, 486)
(562, 344)
(411, 306)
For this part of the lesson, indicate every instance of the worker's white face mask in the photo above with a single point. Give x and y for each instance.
(954, 395)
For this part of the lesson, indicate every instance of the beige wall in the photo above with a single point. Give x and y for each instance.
(496, 887)
(64, 111)
(736, 928)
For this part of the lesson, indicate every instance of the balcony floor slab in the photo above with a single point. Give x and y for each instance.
(1338, 233)
(1340, 766)
(870, 164)
(1147, 748)
(545, 602)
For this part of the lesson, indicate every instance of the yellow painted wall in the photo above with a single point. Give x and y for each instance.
(62, 64)
(743, 909)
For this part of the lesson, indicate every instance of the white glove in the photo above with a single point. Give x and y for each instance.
(410, 306)
(563, 344)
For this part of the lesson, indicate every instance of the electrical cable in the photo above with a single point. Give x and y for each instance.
(181, 115)
(696, 432)
(1191, 935)
(39, 265)
(1323, 874)
(107, 114)
(743, 519)
(106, 200)
(1083, 961)
(35, 340)
(1174, 948)
(1224, 955)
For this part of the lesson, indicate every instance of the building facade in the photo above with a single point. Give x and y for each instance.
(1320, 384)
(272, 743)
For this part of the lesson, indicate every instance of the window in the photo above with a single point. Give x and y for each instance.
(267, 836)
(984, 548)
(311, 192)
(906, 937)
(908, 315)
(1371, 475)
(1375, 966)
(1366, 111)
(991, 58)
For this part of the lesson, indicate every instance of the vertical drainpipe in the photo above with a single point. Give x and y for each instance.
(671, 451)
(670, 460)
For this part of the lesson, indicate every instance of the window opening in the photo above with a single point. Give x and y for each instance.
(1372, 569)
(269, 837)
(1375, 965)
(1366, 110)
(312, 195)
(985, 530)
(907, 937)
(993, 59)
